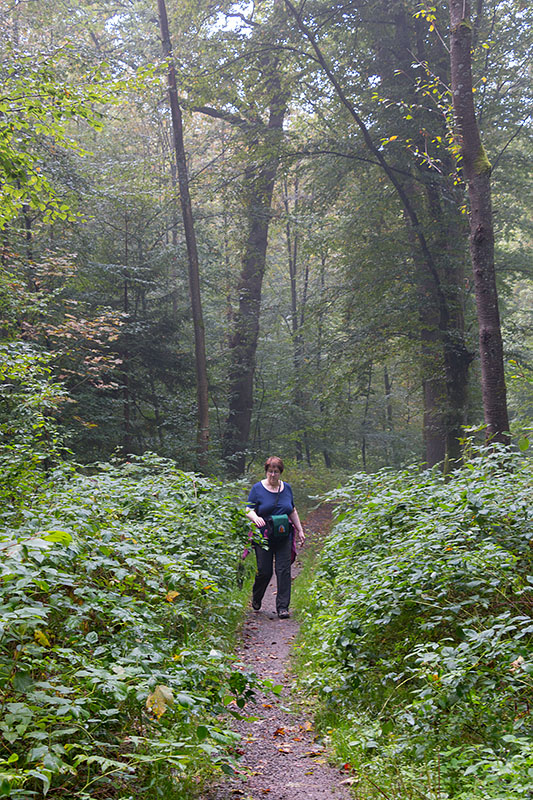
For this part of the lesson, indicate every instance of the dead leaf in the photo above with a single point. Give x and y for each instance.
(43, 639)
(285, 748)
(158, 701)
(279, 732)
(349, 781)
(171, 596)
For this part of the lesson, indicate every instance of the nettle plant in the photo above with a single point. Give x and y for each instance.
(419, 616)
(115, 590)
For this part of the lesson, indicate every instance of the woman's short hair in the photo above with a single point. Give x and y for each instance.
(274, 461)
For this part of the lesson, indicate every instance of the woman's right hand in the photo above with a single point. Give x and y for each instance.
(260, 522)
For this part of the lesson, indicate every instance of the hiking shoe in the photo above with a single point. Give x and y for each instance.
(255, 605)
(283, 613)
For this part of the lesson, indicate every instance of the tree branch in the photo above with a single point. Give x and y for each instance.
(227, 116)
(411, 213)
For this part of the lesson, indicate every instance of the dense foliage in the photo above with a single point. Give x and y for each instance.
(419, 633)
(118, 587)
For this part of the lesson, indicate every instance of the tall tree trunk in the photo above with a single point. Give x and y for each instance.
(192, 252)
(320, 332)
(126, 405)
(445, 356)
(477, 170)
(258, 189)
(365, 415)
(292, 254)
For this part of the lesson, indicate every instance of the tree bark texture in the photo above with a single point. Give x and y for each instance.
(192, 251)
(476, 169)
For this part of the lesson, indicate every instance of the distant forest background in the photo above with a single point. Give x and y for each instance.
(330, 217)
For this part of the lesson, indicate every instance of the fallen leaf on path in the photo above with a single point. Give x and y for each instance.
(349, 781)
(285, 748)
(279, 732)
(313, 754)
(266, 705)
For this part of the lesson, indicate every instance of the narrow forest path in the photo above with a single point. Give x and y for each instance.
(282, 758)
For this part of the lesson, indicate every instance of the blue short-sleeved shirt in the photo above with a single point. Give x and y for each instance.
(266, 503)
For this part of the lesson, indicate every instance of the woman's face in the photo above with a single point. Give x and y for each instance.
(273, 474)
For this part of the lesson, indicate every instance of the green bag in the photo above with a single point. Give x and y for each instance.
(278, 526)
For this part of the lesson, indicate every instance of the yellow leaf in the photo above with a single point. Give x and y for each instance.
(159, 700)
(392, 138)
(171, 596)
(41, 637)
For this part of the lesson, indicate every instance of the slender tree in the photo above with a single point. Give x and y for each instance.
(477, 169)
(190, 238)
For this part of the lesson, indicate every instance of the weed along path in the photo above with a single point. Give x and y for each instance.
(281, 756)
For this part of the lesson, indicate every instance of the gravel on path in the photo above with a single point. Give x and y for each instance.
(282, 758)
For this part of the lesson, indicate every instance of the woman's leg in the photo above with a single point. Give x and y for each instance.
(283, 572)
(264, 574)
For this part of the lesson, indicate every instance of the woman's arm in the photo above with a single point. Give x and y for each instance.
(255, 518)
(295, 519)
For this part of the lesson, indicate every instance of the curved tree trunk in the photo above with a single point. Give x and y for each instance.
(444, 356)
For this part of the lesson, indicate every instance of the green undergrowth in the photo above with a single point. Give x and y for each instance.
(417, 632)
(120, 595)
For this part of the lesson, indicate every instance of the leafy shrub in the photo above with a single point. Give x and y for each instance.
(29, 439)
(419, 631)
(116, 590)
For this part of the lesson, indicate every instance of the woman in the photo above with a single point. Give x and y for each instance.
(268, 498)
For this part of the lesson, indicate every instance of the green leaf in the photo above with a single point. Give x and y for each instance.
(59, 537)
(202, 732)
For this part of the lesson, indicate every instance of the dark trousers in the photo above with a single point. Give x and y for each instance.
(279, 552)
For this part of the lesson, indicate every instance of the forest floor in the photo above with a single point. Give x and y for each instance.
(282, 756)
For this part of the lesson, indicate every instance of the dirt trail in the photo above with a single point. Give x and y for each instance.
(282, 759)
